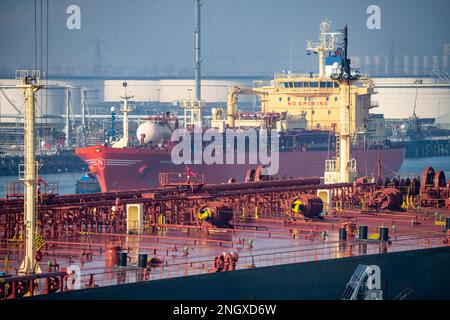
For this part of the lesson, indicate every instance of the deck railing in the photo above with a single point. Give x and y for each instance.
(99, 277)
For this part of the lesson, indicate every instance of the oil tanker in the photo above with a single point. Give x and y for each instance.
(304, 109)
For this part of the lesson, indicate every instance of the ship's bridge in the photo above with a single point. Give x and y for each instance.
(317, 98)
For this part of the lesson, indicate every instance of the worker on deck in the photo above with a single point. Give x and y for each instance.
(218, 264)
(146, 273)
(91, 283)
(50, 266)
(394, 228)
(234, 260)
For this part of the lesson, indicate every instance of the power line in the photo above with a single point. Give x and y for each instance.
(137, 26)
(40, 68)
(233, 61)
(246, 29)
(262, 35)
(46, 63)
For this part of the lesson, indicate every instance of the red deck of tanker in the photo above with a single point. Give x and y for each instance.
(89, 230)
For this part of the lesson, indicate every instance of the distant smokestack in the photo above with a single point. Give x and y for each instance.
(416, 65)
(387, 65)
(367, 65)
(426, 64)
(406, 67)
(397, 65)
(436, 65)
(356, 62)
(377, 65)
(445, 63)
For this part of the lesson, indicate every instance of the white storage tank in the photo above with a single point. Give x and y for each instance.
(170, 90)
(154, 132)
(50, 103)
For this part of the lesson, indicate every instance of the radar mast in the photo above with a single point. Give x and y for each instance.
(327, 43)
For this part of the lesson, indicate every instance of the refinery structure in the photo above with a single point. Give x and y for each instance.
(62, 106)
(65, 105)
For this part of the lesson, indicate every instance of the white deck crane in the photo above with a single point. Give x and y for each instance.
(343, 169)
(30, 84)
(232, 100)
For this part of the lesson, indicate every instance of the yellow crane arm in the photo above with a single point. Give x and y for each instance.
(232, 100)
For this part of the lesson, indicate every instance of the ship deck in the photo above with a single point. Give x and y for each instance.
(275, 241)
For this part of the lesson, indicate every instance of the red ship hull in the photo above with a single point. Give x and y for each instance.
(120, 169)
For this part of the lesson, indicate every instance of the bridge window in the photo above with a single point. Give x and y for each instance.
(323, 84)
(306, 84)
(336, 85)
(298, 84)
(314, 84)
(288, 84)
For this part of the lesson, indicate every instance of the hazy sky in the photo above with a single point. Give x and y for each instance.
(238, 35)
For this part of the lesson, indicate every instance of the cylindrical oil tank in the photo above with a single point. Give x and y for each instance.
(309, 205)
(154, 132)
(216, 213)
(50, 102)
(387, 198)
